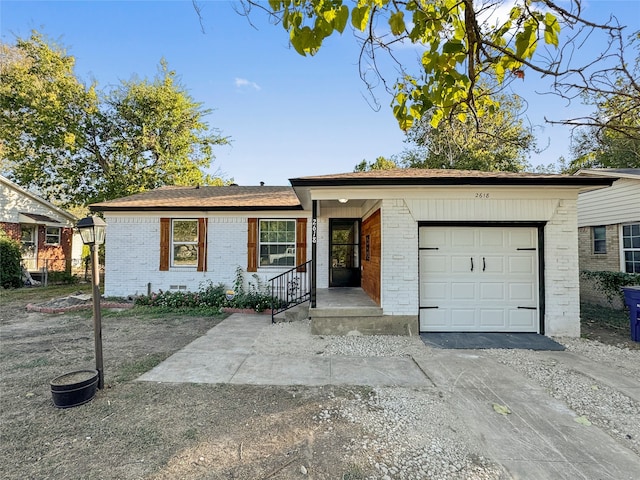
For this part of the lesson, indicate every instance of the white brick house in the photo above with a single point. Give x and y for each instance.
(436, 250)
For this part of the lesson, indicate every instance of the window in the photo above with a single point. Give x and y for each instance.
(28, 235)
(631, 247)
(52, 236)
(277, 243)
(599, 239)
(184, 243)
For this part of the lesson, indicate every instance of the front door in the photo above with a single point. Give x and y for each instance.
(29, 247)
(344, 251)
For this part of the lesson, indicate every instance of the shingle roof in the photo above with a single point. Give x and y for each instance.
(227, 198)
(612, 172)
(419, 176)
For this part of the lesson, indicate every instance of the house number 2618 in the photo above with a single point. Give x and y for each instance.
(481, 195)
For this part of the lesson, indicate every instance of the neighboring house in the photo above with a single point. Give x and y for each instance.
(44, 230)
(609, 228)
(436, 250)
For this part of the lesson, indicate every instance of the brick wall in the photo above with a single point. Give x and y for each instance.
(400, 265)
(55, 257)
(596, 262)
(12, 230)
(561, 274)
(399, 259)
(132, 256)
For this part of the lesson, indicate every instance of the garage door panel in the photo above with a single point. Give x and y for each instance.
(491, 238)
(492, 291)
(435, 318)
(463, 291)
(463, 317)
(522, 264)
(434, 263)
(437, 238)
(521, 319)
(478, 277)
(493, 264)
(435, 292)
(461, 263)
(522, 238)
(492, 319)
(462, 237)
(519, 292)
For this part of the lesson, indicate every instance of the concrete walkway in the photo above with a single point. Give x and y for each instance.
(538, 440)
(226, 355)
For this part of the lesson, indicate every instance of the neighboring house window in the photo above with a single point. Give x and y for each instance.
(599, 239)
(631, 247)
(28, 236)
(53, 236)
(28, 240)
(277, 243)
(183, 243)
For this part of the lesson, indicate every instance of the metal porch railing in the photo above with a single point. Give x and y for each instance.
(290, 288)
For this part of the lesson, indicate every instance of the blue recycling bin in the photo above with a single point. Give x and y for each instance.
(632, 300)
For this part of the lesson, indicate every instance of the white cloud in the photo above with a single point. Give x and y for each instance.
(244, 83)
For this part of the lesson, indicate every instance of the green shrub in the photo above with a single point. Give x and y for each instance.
(610, 283)
(62, 278)
(10, 257)
(255, 296)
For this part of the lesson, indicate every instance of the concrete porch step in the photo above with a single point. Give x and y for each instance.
(342, 311)
(294, 314)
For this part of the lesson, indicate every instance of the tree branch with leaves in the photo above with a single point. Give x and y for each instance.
(462, 46)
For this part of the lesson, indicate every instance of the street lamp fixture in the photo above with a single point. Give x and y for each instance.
(92, 231)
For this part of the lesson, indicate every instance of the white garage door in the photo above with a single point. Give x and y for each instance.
(478, 279)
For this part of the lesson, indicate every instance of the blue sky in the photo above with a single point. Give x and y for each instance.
(287, 115)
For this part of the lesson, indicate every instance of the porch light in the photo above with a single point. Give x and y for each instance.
(343, 200)
(92, 231)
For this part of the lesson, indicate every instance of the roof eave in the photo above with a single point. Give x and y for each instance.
(457, 181)
(262, 208)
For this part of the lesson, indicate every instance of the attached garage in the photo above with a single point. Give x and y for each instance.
(480, 278)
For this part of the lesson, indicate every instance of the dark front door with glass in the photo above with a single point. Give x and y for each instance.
(344, 251)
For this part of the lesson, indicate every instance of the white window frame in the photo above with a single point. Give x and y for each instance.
(174, 244)
(290, 246)
(56, 235)
(623, 249)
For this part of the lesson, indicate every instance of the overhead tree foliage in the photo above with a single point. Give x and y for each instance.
(499, 142)
(77, 145)
(380, 163)
(610, 136)
(459, 43)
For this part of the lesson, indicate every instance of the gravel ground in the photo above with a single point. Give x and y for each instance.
(609, 409)
(414, 434)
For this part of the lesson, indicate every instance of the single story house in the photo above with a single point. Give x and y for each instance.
(434, 250)
(609, 228)
(44, 230)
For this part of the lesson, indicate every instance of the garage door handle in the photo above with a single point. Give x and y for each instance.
(471, 258)
(484, 264)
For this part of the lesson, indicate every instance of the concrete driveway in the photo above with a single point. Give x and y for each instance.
(538, 439)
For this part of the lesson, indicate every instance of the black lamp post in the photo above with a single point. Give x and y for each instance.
(92, 230)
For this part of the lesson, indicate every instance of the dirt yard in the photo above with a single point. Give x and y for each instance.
(140, 430)
(134, 430)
